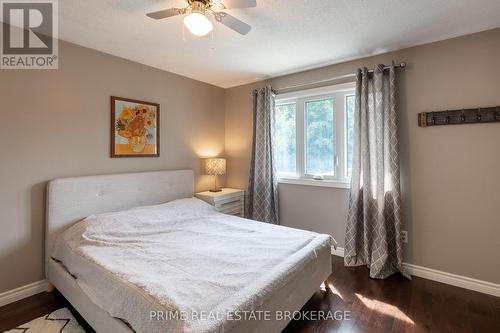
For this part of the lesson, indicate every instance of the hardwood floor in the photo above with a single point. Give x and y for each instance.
(399, 305)
(391, 305)
(23, 311)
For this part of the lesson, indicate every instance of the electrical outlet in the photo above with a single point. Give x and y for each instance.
(404, 236)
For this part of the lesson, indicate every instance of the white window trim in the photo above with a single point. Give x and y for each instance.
(345, 134)
(300, 98)
(313, 182)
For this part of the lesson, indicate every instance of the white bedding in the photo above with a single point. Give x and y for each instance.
(182, 256)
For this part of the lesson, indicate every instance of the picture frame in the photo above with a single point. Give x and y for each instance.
(135, 128)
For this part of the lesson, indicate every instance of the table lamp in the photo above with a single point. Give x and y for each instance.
(215, 167)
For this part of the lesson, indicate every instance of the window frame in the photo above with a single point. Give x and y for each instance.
(304, 102)
(353, 94)
(339, 95)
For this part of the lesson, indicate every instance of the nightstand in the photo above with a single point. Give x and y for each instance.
(228, 201)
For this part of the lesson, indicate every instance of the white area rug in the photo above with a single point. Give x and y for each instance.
(59, 321)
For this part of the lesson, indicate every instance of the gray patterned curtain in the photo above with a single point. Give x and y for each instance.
(373, 236)
(262, 201)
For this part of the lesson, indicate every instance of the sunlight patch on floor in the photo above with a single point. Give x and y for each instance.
(385, 308)
(330, 287)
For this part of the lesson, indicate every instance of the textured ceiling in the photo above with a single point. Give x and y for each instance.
(287, 35)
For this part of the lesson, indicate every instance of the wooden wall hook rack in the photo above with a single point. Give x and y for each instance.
(459, 117)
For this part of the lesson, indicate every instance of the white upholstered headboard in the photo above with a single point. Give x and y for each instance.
(69, 200)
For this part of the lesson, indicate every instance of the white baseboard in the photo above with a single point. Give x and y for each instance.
(485, 287)
(23, 292)
(454, 280)
(339, 251)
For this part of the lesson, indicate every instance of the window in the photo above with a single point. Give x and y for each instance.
(286, 133)
(320, 139)
(314, 135)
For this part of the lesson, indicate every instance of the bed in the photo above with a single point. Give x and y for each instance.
(208, 260)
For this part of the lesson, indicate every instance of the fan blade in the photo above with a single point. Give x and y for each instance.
(233, 23)
(239, 3)
(165, 13)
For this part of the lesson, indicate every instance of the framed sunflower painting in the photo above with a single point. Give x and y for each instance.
(135, 128)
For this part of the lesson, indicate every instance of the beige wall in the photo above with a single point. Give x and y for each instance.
(451, 179)
(56, 124)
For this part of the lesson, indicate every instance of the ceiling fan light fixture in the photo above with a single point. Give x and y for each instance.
(198, 24)
(197, 21)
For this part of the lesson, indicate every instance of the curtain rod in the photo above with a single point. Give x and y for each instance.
(336, 78)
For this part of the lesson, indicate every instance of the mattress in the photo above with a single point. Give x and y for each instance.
(182, 266)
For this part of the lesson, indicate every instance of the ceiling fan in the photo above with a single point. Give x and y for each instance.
(197, 21)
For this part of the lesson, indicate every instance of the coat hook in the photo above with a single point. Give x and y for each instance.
(478, 116)
(462, 117)
(433, 118)
(447, 119)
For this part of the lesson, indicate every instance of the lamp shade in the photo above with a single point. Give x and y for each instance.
(215, 166)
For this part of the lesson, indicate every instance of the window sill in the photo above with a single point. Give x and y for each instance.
(313, 182)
